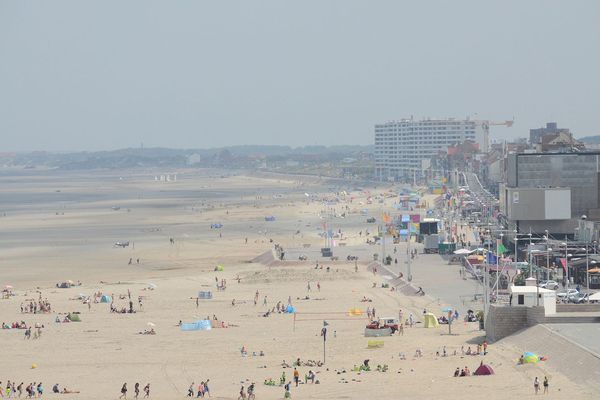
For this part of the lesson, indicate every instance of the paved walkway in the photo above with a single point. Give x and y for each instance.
(586, 335)
(440, 280)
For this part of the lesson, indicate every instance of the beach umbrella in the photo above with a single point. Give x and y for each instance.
(152, 286)
(8, 287)
(151, 324)
(447, 309)
(70, 282)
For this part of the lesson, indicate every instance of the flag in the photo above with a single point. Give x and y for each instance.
(491, 258)
(501, 249)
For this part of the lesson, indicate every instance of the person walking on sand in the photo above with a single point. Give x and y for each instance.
(206, 388)
(191, 390)
(147, 390)
(296, 376)
(308, 286)
(123, 391)
(136, 390)
(318, 286)
(536, 385)
(546, 385)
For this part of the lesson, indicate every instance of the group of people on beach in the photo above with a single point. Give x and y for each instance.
(136, 391)
(203, 389)
(14, 325)
(33, 389)
(36, 307)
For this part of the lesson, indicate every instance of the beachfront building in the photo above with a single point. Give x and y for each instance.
(550, 192)
(404, 148)
(531, 296)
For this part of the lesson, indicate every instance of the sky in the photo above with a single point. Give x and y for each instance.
(99, 75)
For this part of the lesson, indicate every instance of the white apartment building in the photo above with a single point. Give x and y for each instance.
(401, 147)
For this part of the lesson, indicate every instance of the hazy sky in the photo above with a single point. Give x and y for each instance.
(82, 75)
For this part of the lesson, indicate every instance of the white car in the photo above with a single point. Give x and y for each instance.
(552, 285)
(562, 295)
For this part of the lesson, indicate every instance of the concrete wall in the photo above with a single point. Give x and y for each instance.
(594, 307)
(504, 321)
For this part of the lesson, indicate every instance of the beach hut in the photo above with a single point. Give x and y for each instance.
(430, 321)
(484, 369)
(106, 299)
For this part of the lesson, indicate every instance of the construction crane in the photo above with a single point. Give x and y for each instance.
(487, 124)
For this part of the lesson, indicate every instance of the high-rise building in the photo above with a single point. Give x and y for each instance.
(407, 145)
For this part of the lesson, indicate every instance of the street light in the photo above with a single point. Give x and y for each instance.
(537, 275)
(548, 250)
(516, 250)
(566, 262)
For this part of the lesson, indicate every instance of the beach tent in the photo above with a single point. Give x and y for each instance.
(530, 358)
(430, 321)
(290, 309)
(200, 325)
(219, 268)
(106, 299)
(484, 369)
(270, 218)
(205, 295)
(74, 317)
(216, 226)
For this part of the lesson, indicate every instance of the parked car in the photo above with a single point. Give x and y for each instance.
(579, 298)
(384, 323)
(552, 285)
(565, 294)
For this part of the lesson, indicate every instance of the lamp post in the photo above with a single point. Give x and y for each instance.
(566, 274)
(593, 262)
(516, 249)
(587, 267)
(530, 269)
(498, 265)
(537, 275)
(548, 250)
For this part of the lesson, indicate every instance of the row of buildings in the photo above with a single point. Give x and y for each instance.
(547, 182)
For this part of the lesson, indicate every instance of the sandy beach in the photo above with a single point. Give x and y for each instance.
(56, 227)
